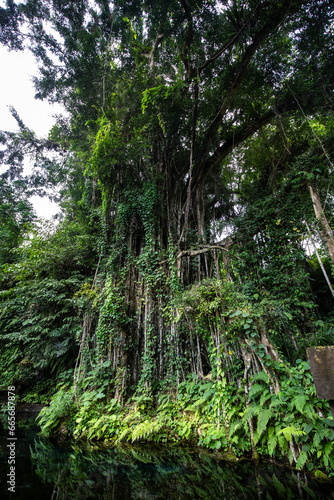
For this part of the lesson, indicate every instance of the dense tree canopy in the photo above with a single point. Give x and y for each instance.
(195, 173)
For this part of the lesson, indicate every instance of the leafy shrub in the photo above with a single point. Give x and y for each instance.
(61, 406)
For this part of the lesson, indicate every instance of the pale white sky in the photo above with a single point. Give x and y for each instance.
(16, 89)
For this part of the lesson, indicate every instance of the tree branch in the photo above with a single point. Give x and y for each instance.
(188, 39)
(249, 53)
(207, 164)
(157, 42)
(223, 245)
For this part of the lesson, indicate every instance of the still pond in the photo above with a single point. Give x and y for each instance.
(47, 469)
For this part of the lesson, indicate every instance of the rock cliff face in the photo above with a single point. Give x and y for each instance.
(322, 366)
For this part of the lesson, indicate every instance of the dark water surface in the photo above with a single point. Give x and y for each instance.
(48, 470)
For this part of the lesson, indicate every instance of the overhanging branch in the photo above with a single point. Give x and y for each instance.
(223, 245)
(204, 166)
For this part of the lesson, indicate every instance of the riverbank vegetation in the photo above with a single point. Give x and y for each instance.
(192, 262)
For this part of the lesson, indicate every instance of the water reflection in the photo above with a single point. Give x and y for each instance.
(142, 473)
(54, 471)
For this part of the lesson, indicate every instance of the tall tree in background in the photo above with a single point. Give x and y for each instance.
(169, 104)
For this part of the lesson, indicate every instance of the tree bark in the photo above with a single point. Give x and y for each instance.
(325, 229)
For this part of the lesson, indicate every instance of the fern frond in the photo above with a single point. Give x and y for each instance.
(125, 433)
(320, 434)
(265, 396)
(262, 420)
(301, 460)
(272, 443)
(235, 426)
(251, 411)
(262, 376)
(255, 389)
(288, 432)
(280, 488)
(299, 402)
(145, 430)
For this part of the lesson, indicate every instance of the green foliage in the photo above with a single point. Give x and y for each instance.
(186, 122)
(16, 217)
(293, 415)
(39, 320)
(215, 415)
(61, 406)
